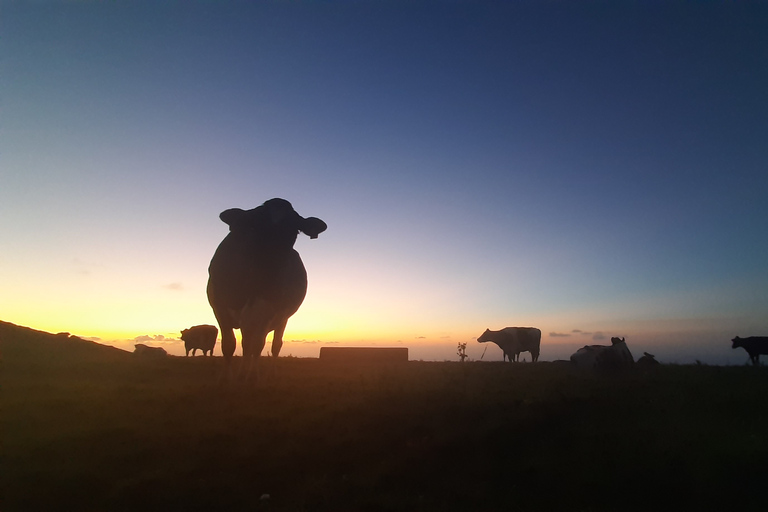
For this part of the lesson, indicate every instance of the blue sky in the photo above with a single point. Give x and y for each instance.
(590, 166)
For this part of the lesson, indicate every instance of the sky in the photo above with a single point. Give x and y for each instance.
(593, 169)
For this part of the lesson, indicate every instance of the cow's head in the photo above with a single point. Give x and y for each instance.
(736, 342)
(274, 216)
(616, 340)
(485, 336)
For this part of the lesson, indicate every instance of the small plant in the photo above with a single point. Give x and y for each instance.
(462, 352)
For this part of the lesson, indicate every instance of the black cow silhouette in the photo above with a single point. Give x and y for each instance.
(201, 337)
(754, 345)
(513, 340)
(256, 279)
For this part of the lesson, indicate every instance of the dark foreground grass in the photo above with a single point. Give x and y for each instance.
(90, 428)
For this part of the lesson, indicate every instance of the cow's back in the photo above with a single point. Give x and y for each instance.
(756, 344)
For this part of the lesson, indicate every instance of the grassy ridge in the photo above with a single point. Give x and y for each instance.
(89, 428)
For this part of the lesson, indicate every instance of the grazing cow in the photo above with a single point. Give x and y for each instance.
(754, 345)
(142, 350)
(513, 340)
(201, 337)
(604, 357)
(256, 279)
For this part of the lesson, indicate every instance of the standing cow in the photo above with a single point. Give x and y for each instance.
(513, 340)
(754, 345)
(201, 337)
(257, 281)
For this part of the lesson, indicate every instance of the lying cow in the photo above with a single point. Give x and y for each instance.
(142, 350)
(754, 345)
(604, 357)
(201, 337)
(646, 362)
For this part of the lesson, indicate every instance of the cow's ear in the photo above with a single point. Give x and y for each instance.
(312, 226)
(233, 217)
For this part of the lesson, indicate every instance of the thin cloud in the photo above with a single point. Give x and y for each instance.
(175, 287)
(146, 337)
(598, 336)
(559, 335)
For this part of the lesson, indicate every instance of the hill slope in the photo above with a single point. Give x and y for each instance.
(22, 345)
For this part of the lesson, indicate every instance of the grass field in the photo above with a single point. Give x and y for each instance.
(87, 427)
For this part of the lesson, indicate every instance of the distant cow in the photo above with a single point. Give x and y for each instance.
(604, 357)
(754, 345)
(142, 350)
(513, 340)
(201, 337)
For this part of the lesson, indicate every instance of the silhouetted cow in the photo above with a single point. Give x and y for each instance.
(201, 337)
(647, 361)
(754, 345)
(513, 340)
(256, 279)
(604, 357)
(142, 350)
